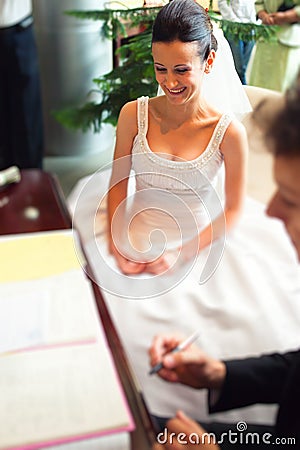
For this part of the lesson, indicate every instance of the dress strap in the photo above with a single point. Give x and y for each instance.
(142, 114)
(220, 129)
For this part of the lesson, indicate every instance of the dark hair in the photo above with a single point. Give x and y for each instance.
(186, 21)
(284, 131)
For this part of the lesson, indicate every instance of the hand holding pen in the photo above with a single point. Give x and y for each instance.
(179, 347)
(177, 360)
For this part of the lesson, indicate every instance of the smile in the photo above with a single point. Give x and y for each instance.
(176, 91)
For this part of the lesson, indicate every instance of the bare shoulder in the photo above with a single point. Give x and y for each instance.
(127, 122)
(126, 129)
(235, 138)
(128, 112)
(235, 129)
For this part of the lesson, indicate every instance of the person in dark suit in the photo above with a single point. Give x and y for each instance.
(21, 117)
(268, 379)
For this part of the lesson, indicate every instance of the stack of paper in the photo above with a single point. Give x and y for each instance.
(58, 382)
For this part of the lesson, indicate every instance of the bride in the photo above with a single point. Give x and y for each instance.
(179, 251)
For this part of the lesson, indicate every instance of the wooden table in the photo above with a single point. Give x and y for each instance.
(37, 204)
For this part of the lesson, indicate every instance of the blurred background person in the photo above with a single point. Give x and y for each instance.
(276, 62)
(239, 11)
(21, 124)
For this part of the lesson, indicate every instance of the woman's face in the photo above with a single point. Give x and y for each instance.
(178, 70)
(285, 204)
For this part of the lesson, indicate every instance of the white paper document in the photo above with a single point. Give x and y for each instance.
(55, 395)
(23, 319)
(58, 382)
(48, 311)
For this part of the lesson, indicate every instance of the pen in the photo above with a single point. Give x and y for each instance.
(182, 346)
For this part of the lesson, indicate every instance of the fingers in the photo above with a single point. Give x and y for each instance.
(169, 375)
(131, 268)
(191, 355)
(127, 266)
(184, 433)
(267, 19)
(183, 423)
(156, 267)
(159, 266)
(161, 350)
(163, 344)
(190, 424)
(182, 416)
(186, 366)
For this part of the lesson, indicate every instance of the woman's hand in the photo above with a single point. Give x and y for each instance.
(164, 263)
(168, 262)
(126, 265)
(159, 266)
(184, 433)
(172, 260)
(191, 366)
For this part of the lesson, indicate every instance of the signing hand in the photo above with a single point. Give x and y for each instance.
(184, 433)
(191, 366)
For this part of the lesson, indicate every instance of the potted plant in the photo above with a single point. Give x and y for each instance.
(134, 76)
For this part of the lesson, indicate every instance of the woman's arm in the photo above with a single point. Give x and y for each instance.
(125, 134)
(235, 149)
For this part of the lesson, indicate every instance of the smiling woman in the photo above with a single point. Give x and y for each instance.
(178, 67)
(180, 126)
(169, 224)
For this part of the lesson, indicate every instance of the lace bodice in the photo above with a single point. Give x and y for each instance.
(155, 170)
(173, 200)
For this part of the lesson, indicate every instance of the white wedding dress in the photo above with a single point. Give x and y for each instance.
(242, 293)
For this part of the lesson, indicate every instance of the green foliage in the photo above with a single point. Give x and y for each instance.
(114, 20)
(135, 74)
(245, 31)
(134, 77)
(91, 115)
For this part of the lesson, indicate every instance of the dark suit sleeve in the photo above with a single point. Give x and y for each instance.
(254, 380)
